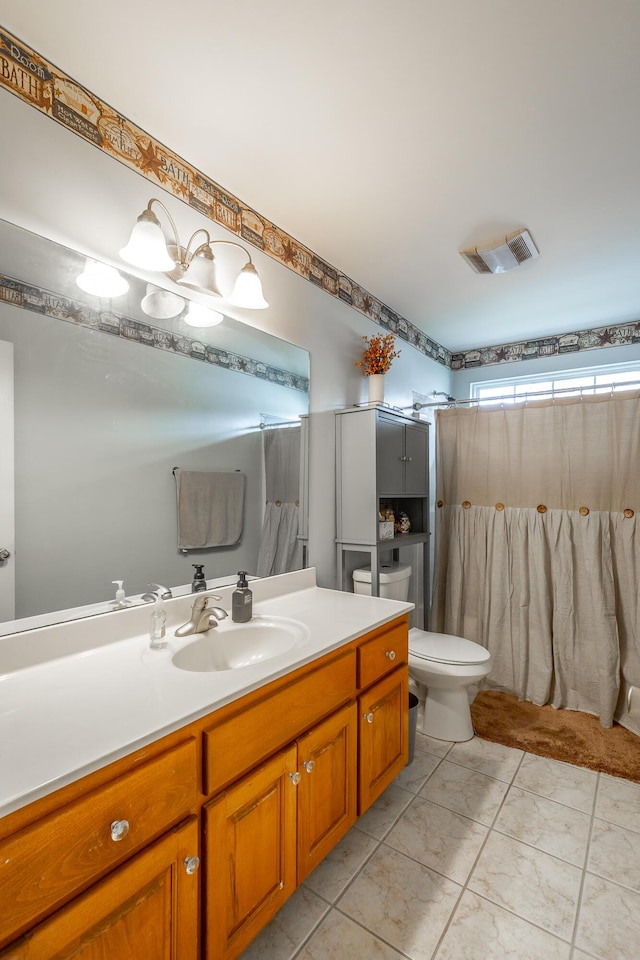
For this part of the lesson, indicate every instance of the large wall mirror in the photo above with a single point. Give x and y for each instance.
(105, 402)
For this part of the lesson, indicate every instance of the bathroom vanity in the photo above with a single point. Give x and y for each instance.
(183, 838)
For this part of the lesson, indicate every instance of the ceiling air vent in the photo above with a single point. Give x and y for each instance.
(502, 255)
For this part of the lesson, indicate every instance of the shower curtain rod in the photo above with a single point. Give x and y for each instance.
(281, 423)
(452, 402)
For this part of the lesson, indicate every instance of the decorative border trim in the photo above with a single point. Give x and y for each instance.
(39, 300)
(613, 336)
(38, 83)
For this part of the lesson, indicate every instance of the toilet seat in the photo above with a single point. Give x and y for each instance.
(445, 648)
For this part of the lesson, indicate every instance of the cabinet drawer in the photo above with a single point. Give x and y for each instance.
(383, 653)
(47, 863)
(245, 738)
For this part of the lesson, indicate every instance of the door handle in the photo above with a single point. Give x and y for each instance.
(4, 554)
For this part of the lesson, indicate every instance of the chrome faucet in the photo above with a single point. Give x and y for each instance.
(159, 593)
(203, 617)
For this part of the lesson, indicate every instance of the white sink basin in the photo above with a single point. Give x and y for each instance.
(231, 646)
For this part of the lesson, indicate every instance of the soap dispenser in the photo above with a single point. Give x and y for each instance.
(199, 583)
(241, 600)
(158, 626)
(120, 601)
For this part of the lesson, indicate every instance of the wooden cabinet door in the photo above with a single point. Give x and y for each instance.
(383, 729)
(250, 850)
(327, 761)
(146, 910)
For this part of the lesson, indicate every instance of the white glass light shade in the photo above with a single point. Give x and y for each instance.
(147, 247)
(199, 316)
(201, 275)
(101, 280)
(247, 290)
(161, 304)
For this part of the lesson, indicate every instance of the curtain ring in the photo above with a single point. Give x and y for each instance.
(628, 513)
(441, 503)
(584, 511)
(278, 503)
(541, 508)
(500, 507)
(466, 504)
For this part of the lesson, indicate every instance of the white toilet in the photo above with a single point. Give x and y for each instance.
(442, 667)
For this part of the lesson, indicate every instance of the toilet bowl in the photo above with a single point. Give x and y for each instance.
(444, 667)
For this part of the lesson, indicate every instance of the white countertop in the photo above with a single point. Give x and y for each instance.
(77, 696)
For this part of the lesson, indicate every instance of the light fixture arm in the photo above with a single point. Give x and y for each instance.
(232, 243)
(201, 248)
(168, 215)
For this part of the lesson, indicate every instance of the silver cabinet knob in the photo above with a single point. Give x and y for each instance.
(191, 864)
(368, 717)
(295, 778)
(4, 554)
(119, 830)
(309, 765)
(391, 654)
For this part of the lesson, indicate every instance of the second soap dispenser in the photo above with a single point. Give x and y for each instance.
(199, 582)
(241, 600)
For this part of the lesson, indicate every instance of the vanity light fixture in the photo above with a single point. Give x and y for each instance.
(161, 304)
(192, 266)
(199, 316)
(101, 280)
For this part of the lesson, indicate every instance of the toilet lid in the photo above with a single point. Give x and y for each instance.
(444, 648)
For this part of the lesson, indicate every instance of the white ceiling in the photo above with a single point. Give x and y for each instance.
(386, 136)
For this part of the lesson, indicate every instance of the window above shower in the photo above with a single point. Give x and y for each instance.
(602, 379)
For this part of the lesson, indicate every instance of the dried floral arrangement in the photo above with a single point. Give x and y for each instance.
(378, 356)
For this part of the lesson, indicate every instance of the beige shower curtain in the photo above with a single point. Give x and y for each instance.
(280, 550)
(537, 556)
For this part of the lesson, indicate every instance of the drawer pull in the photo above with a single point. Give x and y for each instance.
(295, 778)
(119, 830)
(391, 654)
(368, 717)
(191, 864)
(309, 765)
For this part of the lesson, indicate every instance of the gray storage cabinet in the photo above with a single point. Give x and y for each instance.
(382, 459)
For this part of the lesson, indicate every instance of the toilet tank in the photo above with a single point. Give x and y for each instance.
(394, 580)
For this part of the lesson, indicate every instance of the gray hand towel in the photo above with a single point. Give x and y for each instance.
(210, 508)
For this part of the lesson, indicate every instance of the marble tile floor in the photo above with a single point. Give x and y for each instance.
(475, 852)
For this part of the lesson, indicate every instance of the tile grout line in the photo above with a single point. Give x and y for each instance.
(576, 922)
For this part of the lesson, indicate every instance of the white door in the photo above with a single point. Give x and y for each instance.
(7, 523)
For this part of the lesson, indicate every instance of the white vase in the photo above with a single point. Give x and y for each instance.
(375, 383)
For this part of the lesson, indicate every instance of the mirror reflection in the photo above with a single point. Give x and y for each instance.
(106, 395)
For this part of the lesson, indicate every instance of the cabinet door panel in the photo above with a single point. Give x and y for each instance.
(383, 735)
(250, 835)
(417, 462)
(389, 456)
(146, 910)
(327, 789)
